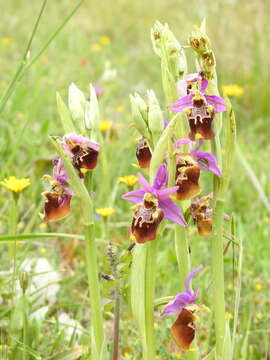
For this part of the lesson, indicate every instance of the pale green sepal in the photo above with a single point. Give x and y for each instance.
(93, 116)
(160, 150)
(155, 117)
(139, 122)
(65, 117)
(76, 104)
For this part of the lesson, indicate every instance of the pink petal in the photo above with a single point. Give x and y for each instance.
(182, 103)
(164, 193)
(144, 183)
(217, 102)
(172, 211)
(134, 196)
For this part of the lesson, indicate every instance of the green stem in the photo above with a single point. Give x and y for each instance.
(94, 290)
(182, 254)
(150, 271)
(218, 277)
(25, 327)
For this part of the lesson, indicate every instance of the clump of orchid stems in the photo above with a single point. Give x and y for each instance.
(175, 160)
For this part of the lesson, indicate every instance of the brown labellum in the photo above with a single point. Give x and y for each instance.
(200, 119)
(84, 158)
(187, 178)
(56, 206)
(204, 224)
(183, 329)
(145, 222)
(143, 154)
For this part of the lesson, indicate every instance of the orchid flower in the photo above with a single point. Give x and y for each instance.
(199, 107)
(57, 204)
(152, 204)
(188, 167)
(83, 151)
(183, 305)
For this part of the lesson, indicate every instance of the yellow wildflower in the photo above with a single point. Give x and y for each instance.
(259, 316)
(258, 287)
(105, 40)
(129, 180)
(120, 108)
(15, 185)
(105, 125)
(5, 41)
(155, 325)
(105, 212)
(228, 316)
(95, 47)
(233, 90)
(42, 251)
(178, 356)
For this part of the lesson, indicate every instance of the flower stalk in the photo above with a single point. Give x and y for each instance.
(97, 330)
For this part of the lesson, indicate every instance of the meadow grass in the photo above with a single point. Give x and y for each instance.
(239, 32)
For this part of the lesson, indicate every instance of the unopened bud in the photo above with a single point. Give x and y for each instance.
(137, 106)
(92, 115)
(76, 103)
(208, 62)
(199, 40)
(24, 279)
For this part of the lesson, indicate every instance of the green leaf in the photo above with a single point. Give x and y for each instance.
(65, 117)
(71, 354)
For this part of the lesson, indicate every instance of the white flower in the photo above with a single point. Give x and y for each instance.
(70, 326)
(43, 281)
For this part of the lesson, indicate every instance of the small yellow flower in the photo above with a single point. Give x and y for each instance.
(129, 180)
(95, 47)
(42, 251)
(5, 41)
(105, 40)
(258, 287)
(105, 212)
(105, 125)
(155, 325)
(259, 316)
(178, 356)
(228, 316)
(120, 108)
(15, 185)
(233, 90)
(42, 226)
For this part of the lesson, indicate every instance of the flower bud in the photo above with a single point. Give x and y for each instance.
(92, 114)
(156, 33)
(155, 116)
(24, 280)
(199, 40)
(137, 104)
(76, 103)
(208, 62)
